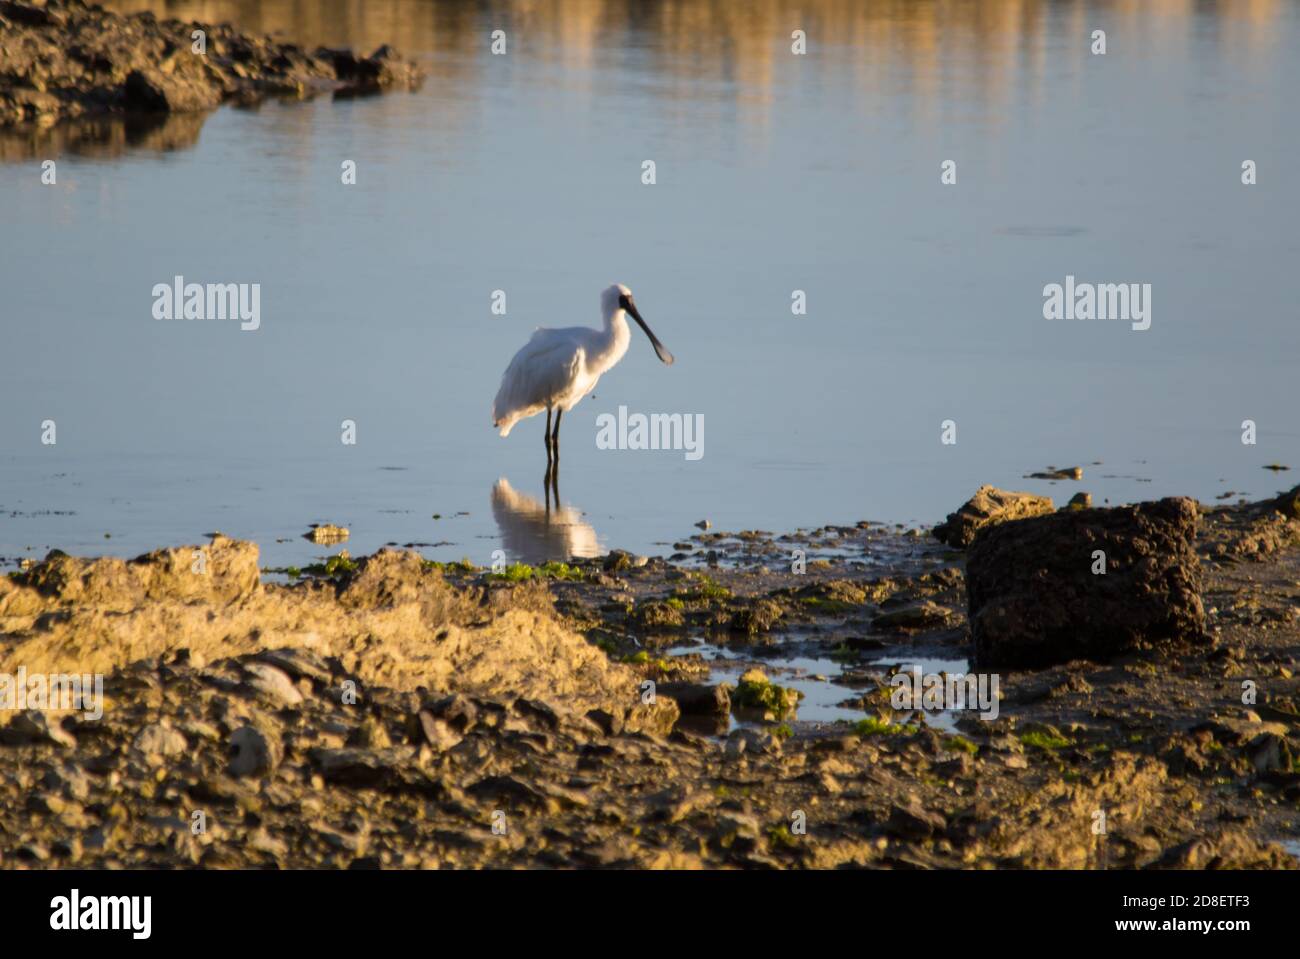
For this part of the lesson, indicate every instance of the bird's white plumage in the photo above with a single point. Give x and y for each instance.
(557, 368)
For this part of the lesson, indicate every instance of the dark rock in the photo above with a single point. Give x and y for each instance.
(538, 710)
(1053, 473)
(698, 699)
(514, 791)
(35, 726)
(987, 507)
(1225, 849)
(607, 722)
(66, 59)
(457, 711)
(922, 615)
(758, 617)
(33, 14)
(299, 663)
(1288, 504)
(252, 752)
(151, 90)
(914, 822)
(657, 614)
(437, 732)
(1270, 752)
(1035, 600)
(617, 561)
(357, 767)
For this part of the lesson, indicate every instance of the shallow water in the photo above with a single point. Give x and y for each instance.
(1292, 846)
(825, 687)
(775, 173)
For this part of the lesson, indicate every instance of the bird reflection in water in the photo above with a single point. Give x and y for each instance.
(533, 532)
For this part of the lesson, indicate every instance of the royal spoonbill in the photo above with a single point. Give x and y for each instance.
(556, 368)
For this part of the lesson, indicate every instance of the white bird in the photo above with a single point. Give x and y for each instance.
(556, 368)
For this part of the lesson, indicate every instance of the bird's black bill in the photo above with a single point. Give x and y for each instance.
(660, 349)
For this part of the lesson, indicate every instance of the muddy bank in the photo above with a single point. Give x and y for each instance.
(67, 60)
(390, 712)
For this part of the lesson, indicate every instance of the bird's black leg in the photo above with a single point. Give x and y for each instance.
(553, 490)
(555, 437)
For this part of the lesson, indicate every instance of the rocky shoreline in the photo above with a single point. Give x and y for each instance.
(69, 60)
(391, 712)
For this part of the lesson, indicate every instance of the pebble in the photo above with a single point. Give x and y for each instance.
(273, 683)
(251, 752)
(159, 741)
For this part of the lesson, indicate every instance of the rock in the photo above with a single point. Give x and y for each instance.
(252, 752)
(1052, 473)
(738, 831)
(33, 13)
(459, 712)
(65, 59)
(1240, 732)
(1080, 501)
(383, 68)
(617, 561)
(160, 741)
(327, 534)
(69, 780)
(359, 767)
(987, 507)
(922, 615)
(299, 663)
(150, 90)
(677, 803)
(370, 734)
(223, 571)
(609, 723)
(1034, 598)
(656, 614)
(698, 699)
(262, 841)
(273, 684)
(437, 732)
(1270, 752)
(914, 822)
(538, 711)
(756, 693)
(35, 726)
(757, 617)
(1224, 849)
(1288, 504)
(748, 739)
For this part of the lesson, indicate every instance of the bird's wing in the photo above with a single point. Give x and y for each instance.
(539, 373)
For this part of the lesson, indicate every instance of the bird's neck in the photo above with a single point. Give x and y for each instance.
(614, 342)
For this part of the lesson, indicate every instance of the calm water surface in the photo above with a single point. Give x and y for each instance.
(523, 173)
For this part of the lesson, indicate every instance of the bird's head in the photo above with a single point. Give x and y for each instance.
(619, 297)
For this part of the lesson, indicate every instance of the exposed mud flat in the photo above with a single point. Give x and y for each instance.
(391, 712)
